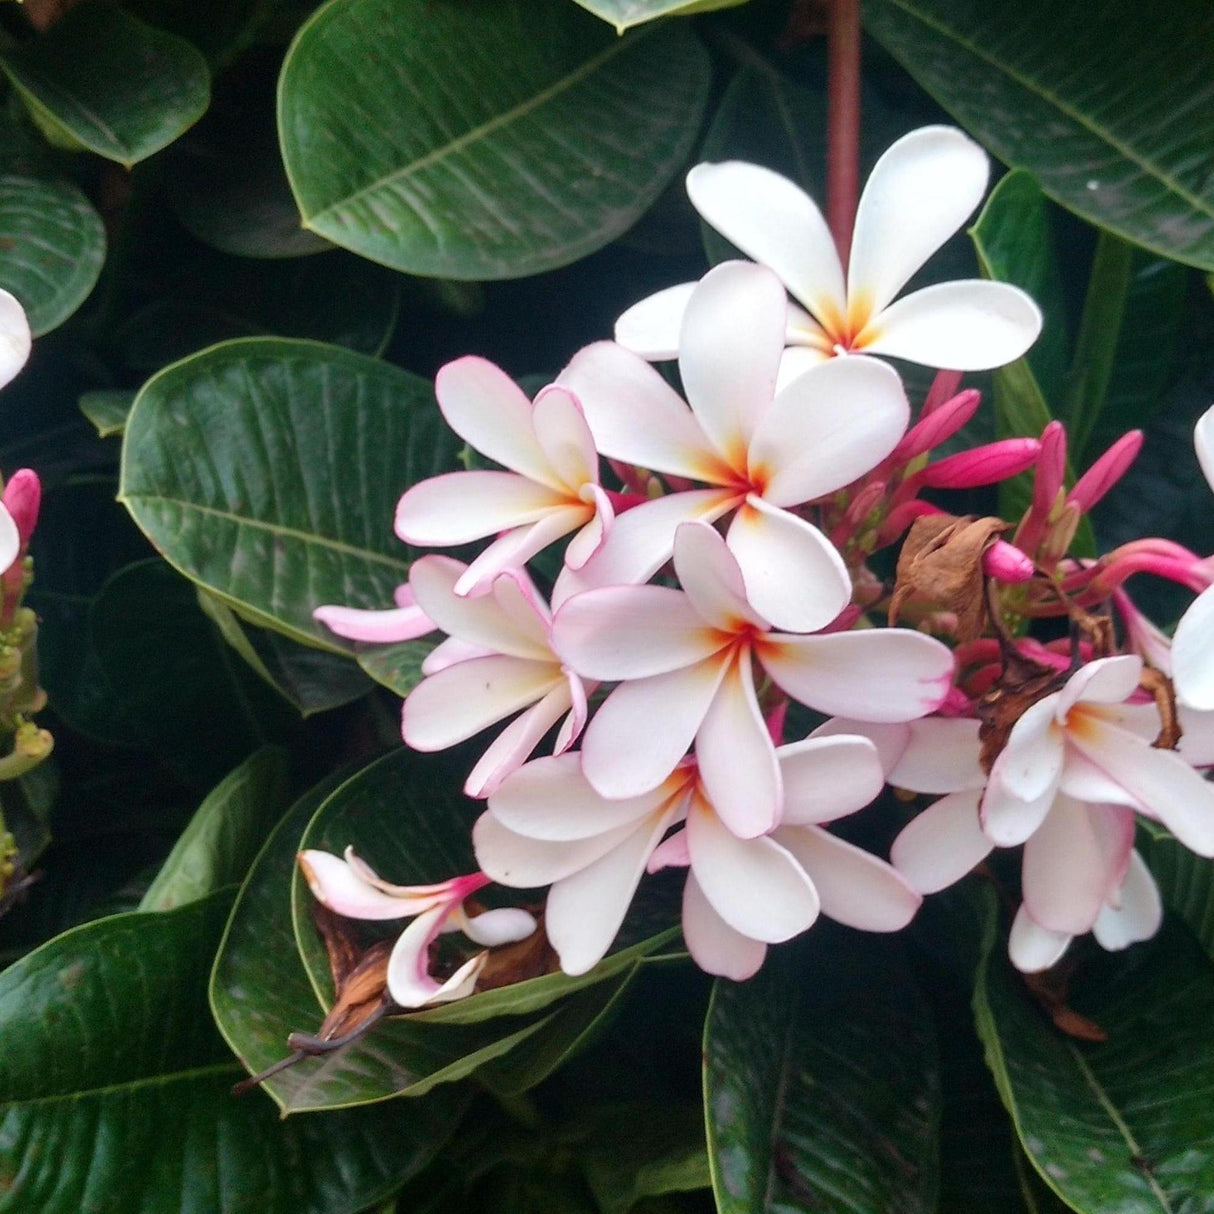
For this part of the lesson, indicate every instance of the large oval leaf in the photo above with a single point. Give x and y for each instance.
(507, 138)
(1185, 880)
(103, 80)
(268, 471)
(53, 243)
(115, 1090)
(1113, 113)
(819, 1074)
(1123, 1126)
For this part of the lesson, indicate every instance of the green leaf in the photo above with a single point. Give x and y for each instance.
(818, 1073)
(1121, 1125)
(1185, 880)
(1113, 114)
(53, 242)
(405, 815)
(548, 138)
(115, 1090)
(226, 833)
(260, 993)
(624, 14)
(103, 80)
(397, 667)
(316, 445)
(108, 410)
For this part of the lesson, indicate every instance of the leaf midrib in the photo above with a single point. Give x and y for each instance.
(1036, 88)
(202, 1072)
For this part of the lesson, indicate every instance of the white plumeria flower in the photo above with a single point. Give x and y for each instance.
(1193, 644)
(762, 452)
(547, 825)
(15, 337)
(686, 659)
(498, 659)
(404, 622)
(350, 887)
(551, 488)
(920, 192)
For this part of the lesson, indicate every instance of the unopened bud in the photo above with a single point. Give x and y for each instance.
(1006, 563)
(935, 427)
(23, 499)
(1106, 471)
(985, 465)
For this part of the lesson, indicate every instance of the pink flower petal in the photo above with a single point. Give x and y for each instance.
(836, 422)
(458, 507)
(513, 549)
(794, 576)
(1033, 948)
(890, 739)
(593, 535)
(714, 946)
(15, 338)
(936, 849)
(755, 885)
(636, 416)
(645, 727)
(490, 412)
(460, 701)
(449, 652)
(777, 223)
(519, 862)
(382, 627)
(651, 327)
(920, 192)
(729, 352)
(513, 746)
(855, 888)
(941, 757)
(888, 674)
(1193, 653)
(564, 436)
(672, 852)
(711, 579)
(409, 981)
(965, 326)
(338, 885)
(737, 760)
(826, 778)
(632, 632)
(1135, 913)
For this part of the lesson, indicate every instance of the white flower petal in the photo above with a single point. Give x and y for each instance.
(1197, 739)
(504, 925)
(1085, 781)
(513, 549)
(777, 223)
(709, 574)
(1032, 758)
(636, 416)
(921, 190)
(1203, 443)
(394, 624)
(409, 981)
(796, 360)
(1104, 681)
(936, 849)
(714, 946)
(826, 778)
(1193, 653)
(1134, 914)
(855, 888)
(1008, 817)
(513, 746)
(969, 325)
(942, 756)
(491, 413)
(10, 549)
(1033, 948)
(458, 507)
(460, 701)
(729, 352)
(755, 885)
(651, 327)
(522, 863)
(890, 739)
(15, 338)
(829, 427)
(564, 436)
(338, 885)
(794, 576)
(737, 760)
(888, 674)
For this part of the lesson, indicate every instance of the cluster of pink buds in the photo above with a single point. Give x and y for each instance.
(716, 570)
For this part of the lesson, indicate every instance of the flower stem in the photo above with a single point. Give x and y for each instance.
(843, 121)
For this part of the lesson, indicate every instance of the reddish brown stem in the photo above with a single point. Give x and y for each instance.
(843, 121)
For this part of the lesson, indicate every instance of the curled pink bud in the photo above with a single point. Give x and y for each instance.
(934, 428)
(1106, 471)
(984, 465)
(943, 387)
(1006, 563)
(23, 499)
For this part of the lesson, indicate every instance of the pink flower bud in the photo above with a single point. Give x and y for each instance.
(1050, 474)
(1006, 563)
(23, 499)
(943, 387)
(934, 428)
(984, 465)
(1106, 471)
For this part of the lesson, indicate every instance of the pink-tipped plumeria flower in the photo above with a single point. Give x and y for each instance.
(498, 659)
(350, 887)
(685, 660)
(1080, 873)
(15, 337)
(1193, 644)
(921, 191)
(404, 622)
(547, 825)
(762, 452)
(551, 486)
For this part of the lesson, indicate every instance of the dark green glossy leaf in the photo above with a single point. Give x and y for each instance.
(1185, 880)
(1119, 1127)
(53, 244)
(624, 14)
(315, 445)
(103, 80)
(261, 993)
(820, 1082)
(225, 834)
(108, 410)
(1113, 113)
(405, 815)
(397, 667)
(548, 138)
(115, 1090)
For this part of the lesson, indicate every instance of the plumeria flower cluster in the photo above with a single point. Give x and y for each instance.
(717, 571)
